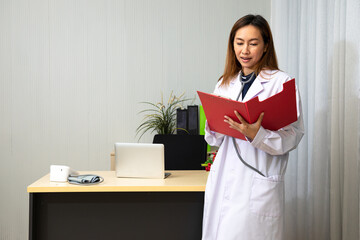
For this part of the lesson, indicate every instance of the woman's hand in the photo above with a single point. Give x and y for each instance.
(249, 130)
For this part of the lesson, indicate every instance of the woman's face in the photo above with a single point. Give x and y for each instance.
(249, 47)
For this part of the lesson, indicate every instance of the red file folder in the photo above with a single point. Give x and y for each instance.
(279, 110)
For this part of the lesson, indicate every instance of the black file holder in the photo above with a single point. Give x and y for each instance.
(193, 119)
(181, 121)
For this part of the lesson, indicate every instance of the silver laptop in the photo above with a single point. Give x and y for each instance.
(139, 160)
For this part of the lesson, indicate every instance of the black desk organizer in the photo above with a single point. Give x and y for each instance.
(183, 152)
(187, 120)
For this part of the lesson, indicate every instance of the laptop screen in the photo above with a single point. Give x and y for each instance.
(139, 160)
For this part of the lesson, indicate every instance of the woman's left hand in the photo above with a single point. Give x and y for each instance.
(249, 130)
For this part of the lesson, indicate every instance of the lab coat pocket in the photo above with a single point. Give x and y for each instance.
(267, 196)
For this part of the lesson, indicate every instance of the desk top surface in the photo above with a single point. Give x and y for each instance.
(178, 181)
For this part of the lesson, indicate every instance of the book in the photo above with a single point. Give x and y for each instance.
(279, 110)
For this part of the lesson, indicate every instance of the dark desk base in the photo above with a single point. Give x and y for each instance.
(118, 215)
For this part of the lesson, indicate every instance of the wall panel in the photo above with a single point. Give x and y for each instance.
(73, 74)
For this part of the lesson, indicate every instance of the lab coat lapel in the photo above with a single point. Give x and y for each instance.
(235, 85)
(255, 88)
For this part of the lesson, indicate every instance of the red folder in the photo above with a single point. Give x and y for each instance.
(279, 110)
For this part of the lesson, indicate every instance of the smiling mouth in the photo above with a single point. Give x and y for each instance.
(245, 59)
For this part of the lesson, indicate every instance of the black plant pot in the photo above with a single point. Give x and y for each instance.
(183, 152)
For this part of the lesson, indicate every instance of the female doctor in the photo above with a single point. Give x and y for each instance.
(244, 197)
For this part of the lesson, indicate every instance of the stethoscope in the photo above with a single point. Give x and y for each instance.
(243, 82)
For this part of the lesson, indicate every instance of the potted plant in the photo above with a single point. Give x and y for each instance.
(161, 118)
(182, 152)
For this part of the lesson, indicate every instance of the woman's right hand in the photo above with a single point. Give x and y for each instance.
(247, 129)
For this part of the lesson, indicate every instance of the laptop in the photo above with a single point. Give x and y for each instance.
(140, 160)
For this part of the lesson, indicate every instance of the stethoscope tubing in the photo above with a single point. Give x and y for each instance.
(234, 142)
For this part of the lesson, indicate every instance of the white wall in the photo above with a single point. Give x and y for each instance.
(72, 74)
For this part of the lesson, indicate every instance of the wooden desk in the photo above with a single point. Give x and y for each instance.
(119, 208)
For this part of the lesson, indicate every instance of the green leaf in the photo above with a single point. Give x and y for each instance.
(159, 117)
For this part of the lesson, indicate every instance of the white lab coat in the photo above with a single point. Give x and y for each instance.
(240, 203)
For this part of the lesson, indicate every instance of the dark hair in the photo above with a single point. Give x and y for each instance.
(267, 61)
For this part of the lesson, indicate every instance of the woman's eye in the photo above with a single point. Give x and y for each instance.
(253, 44)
